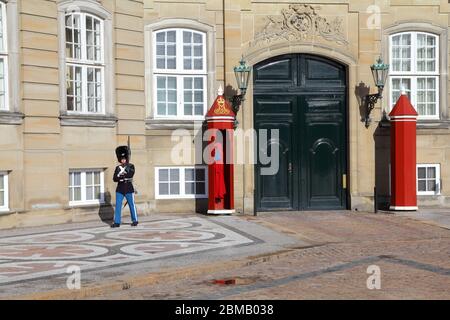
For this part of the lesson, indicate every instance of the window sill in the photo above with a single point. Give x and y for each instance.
(172, 124)
(13, 118)
(422, 124)
(433, 124)
(428, 197)
(86, 205)
(159, 197)
(4, 212)
(83, 120)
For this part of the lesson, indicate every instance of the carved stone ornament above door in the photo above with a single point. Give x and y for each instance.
(300, 22)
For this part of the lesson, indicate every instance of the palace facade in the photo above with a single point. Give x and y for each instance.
(78, 77)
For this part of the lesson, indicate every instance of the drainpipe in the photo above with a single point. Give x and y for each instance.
(225, 68)
(375, 200)
(224, 51)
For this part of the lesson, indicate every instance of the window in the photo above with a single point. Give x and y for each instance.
(4, 196)
(85, 65)
(428, 179)
(86, 187)
(4, 97)
(179, 74)
(181, 182)
(414, 66)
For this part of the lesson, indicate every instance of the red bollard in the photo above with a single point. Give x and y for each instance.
(403, 156)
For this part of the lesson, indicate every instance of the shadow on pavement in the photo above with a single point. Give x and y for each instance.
(106, 211)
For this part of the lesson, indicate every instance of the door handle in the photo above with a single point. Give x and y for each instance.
(344, 181)
(290, 167)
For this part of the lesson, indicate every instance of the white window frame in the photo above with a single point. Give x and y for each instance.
(83, 200)
(4, 176)
(4, 55)
(413, 94)
(182, 181)
(437, 166)
(413, 74)
(180, 73)
(85, 63)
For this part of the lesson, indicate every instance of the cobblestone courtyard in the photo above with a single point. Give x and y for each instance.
(307, 255)
(45, 254)
(413, 257)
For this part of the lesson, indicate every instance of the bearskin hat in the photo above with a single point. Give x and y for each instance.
(122, 152)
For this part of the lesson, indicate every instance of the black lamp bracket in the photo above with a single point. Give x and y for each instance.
(236, 102)
(370, 102)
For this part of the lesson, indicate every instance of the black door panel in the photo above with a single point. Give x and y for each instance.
(324, 166)
(279, 191)
(310, 114)
(276, 191)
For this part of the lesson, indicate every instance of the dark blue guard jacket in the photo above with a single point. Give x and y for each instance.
(124, 185)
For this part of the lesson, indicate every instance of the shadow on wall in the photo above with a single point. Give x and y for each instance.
(382, 147)
(106, 210)
(201, 205)
(361, 92)
(230, 91)
(382, 139)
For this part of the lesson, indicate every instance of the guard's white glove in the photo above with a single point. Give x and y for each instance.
(122, 171)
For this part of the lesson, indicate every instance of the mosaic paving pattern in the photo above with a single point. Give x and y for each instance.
(47, 254)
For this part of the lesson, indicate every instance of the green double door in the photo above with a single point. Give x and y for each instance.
(304, 97)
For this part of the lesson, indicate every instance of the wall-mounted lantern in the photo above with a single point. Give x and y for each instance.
(380, 72)
(242, 73)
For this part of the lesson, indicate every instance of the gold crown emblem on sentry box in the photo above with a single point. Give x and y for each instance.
(221, 109)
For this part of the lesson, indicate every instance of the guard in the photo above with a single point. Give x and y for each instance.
(123, 175)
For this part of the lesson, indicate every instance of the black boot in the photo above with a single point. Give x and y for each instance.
(134, 224)
(115, 225)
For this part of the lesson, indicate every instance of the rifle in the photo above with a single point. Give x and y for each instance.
(128, 161)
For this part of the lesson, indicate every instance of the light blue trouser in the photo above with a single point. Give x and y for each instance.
(119, 200)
